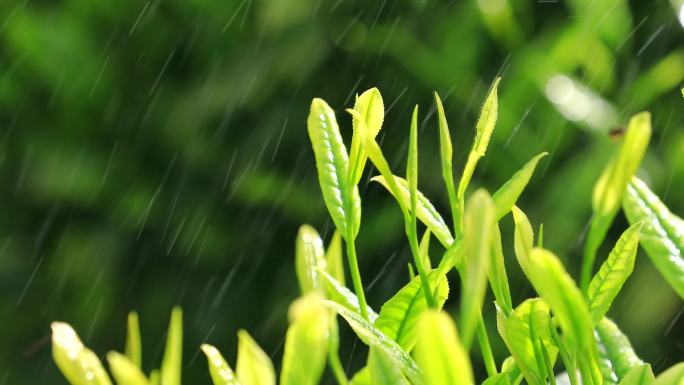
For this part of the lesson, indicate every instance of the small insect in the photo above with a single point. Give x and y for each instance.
(616, 133)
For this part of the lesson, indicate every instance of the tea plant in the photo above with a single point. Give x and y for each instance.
(411, 339)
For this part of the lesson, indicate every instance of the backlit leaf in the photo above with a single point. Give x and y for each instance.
(446, 154)
(523, 239)
(616, 356)
(253, 366)
(382, 369)
(309, 259)
(506, 196)
(133, 345)
(672, 376)
(335, 259)
(370, 107)
(639, 375)
(440, 353)
(498, 278)
(78, 364)
(220, 371)
(171, 363)
(343, 296)
(125, 371)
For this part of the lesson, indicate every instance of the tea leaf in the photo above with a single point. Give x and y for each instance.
(362, 377)
(334, 258)
(309, 259)
(171, 363)
(498, 278)
(558, 289)
(399, 315)
(412, 165)
(253, 365)
(506, 196)
(662, 235)
(345, 297)
(424, 250)
(425, 211)
(440, 353)
(306, 343)
(672, 376)
(78, 364)
(639, 375)
(477, 228)
(616, 356)
(611, 186)
(523, 240)
(133, 345)
(497, 379)
(446, 154)
(382, 370)
(220, 371)
(370, 107)
(125, 371)
(374, 338)
(606, 284)
(343, 202)
(483, 132)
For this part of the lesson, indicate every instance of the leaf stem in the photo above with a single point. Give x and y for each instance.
(336, 365)
(411, 232)
(355, 274)
(485, 347)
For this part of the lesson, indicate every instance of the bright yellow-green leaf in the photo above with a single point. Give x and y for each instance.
(171, 363)
(498, 278)
(439, 351)
(220, 371)
(523, 239)
(309, 259)
(370, 108)
(306, 343)
(382, 369)
(412, 165)
(133, 344)
(639, 375)
(616, 356)
(373, 337)
(334, 258)
(343, 202)
(483, 132)
(477, 229)
(662, 235)
(446, 154)
(399, 315)
(506, 196)
(155, 377)
(559, 290)
(343, 296)
(362, 377)
(606, 284)
(125, 371)
(611, 186)
(253, 365)
(78, 364)
(497, 379)
(672, 376)
(425, 211)
(424, 250)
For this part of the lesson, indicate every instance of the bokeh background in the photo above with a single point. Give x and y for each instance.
(155, 153)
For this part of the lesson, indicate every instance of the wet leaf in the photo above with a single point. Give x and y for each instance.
(309, 259)
(446, 155)
(523, 240)
(220, 371)
(78, 364)
(370, 108)
(335, 259)
(382, 370)
(672, 376)
(125, 371)
(343, 296)
(133, 345)
(172, 361)
(639, 375)
(253, 366)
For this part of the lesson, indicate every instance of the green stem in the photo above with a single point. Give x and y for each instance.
(485, 348)
(336, 365)
(411, 232)
(565, 356)
(587, 266)
(355, 274)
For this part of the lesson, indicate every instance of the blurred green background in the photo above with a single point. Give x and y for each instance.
(155, 153)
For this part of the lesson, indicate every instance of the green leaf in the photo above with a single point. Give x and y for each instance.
(524, 331)
(439, 351)
(334, 258)
(155, 377)
(343, 202)
(412, 165)
(483, 132)
(362, 377)
(343, 296)
(399, 315)
(506, 196)
(382, 369)
(477, 230)
(425, 211)
(446, 154)
(639, 375)
(616, 356)
(78, 364)
(309, 259)
(220, 371)
(662, 235)
(611, 186)
(606, 284)
(672, 376)
(497, 379)
(558, 289)
(171, 363)
(424, 250)
(498, 278)
(306, 343)
(370, 108)
(133, 345)
(125, 371)
(523, 240)
(253, 365)
(373, 337)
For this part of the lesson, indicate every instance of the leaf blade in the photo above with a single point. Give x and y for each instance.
(219, 370)
(253, 366)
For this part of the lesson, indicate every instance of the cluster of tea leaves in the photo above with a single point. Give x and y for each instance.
(560, 337)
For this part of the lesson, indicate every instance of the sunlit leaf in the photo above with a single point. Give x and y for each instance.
(424, 250)
(606, 284)
(133, 345)
(506, 196)
(335, 259)
(253, 366)
(78, 364)
(373, 337)
(662, 235)
(439, 351)
(171, 363)
(497, 379)
(446, 155)
(306, 343)
(343, 203)
(412, 164)
(498, 278)
(672, 376)
(362, 377)
(425, 211)
(345, 297)
(639, 375)
(382, 369)
(309, 259)
(399, 315)
(220, 371)
(523, 239)
(477, 229)
(370, 107)
(616, 356)
(125, 371)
